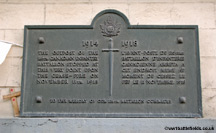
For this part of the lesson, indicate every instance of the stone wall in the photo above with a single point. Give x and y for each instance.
(14, 14)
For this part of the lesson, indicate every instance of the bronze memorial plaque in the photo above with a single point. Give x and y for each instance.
(111, 69)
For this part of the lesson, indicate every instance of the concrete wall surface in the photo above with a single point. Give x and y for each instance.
(14, 14)
(106, 125)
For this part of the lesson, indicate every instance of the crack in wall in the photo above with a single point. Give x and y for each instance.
(24, 124)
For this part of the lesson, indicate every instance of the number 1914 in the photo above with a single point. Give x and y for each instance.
(89, 43)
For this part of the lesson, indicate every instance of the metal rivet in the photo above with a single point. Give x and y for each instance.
(180, 39)
(41, 40)
(182, 99)
(38, 99)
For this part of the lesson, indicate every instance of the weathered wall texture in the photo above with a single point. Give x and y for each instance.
(14, 14)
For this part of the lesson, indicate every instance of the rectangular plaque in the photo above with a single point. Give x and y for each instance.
(111, 69)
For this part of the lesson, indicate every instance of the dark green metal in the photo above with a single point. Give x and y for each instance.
(109, 28)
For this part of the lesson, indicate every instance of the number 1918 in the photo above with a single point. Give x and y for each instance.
(129, 43)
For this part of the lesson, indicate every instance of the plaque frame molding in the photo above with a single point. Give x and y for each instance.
(111, 115)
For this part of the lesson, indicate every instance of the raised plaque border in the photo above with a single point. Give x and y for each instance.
(110, 115)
